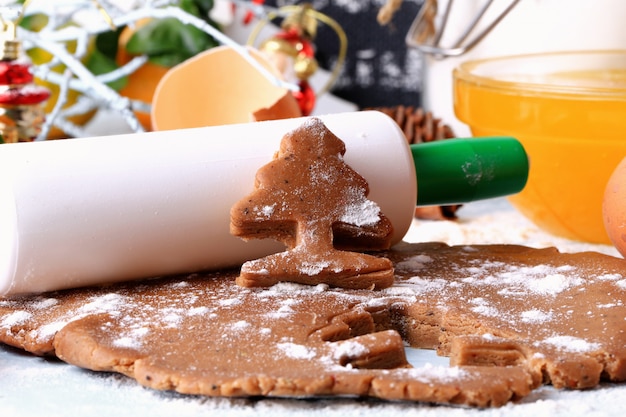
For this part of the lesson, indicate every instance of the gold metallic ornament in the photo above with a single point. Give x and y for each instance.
(305, 20)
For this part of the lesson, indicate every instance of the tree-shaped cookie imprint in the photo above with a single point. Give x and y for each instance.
(312, 201)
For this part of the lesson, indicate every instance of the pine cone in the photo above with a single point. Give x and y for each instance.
(421, 126)
(418, 125)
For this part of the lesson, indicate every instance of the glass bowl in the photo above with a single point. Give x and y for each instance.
(568, 109)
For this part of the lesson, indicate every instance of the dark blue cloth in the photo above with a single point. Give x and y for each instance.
(380, 70)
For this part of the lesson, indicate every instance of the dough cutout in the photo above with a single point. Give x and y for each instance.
(308, 198)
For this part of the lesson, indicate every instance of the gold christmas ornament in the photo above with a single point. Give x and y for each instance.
(292, 49)
(21, 101)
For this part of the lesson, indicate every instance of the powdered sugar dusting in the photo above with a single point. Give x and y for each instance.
(44, 303)
(481, 306)
(572, 344)
(230, 302)
(313, 268)
(240, 325)
(430, 373)
(131, 339)
(536, 316)
(282, 312)
(110, 302)
(48, 330)
(361, 212)
(414, 263)
(417, 285)
(198, 311)
(295, 351)
(349, 349)
(15, 318)
(519, 280)
(264, 212)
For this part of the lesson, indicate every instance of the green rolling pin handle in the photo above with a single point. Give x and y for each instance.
(461, 170)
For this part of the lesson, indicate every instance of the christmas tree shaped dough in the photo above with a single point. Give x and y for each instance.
(312, 201)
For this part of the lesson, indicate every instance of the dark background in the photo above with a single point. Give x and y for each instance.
(380, 70)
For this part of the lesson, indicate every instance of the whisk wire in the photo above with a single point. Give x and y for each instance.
(425, 37)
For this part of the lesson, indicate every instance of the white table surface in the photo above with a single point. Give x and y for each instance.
(33, 386)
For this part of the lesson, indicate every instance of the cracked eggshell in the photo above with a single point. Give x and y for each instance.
(614, 207)
(219, 87)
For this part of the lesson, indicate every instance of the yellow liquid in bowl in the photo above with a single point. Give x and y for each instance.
(574, 142)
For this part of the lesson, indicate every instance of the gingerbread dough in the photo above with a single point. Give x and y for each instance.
(510, 318)
(312, 201)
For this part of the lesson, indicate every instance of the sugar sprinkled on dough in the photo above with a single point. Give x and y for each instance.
(417, 285)
(572, 344)
(265, 211)
(44, 303)
(349, 348)
(361, 212)
(171, 317)
(428, 372)
(296, 351)
(131, 339)
(198, 311)
(230, 302)
(15, 318)
(481, 306)
(108, 302)
(414, 263)
(283, 311)
(313, 268)
(240, 325)
(538, 279)
(535, 316)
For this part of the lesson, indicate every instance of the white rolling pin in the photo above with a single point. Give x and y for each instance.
(99, 210)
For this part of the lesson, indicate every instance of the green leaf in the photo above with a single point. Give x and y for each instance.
(98, 63)
(194, 40)
(190, 7)
(107, 42)
(205, 5)
(169, 41)
(34, 22)
(201, 7)
(167, 60)
(155, 37)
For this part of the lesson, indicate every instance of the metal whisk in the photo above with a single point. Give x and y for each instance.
(426, 34)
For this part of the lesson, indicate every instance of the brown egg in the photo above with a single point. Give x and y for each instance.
(614, 207)
(219, 87)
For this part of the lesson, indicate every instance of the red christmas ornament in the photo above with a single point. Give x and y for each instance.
(305, 97)
(293, 53)
(21, 101)
(16, 85)
(12, 71)
(247, 18)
